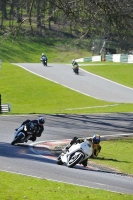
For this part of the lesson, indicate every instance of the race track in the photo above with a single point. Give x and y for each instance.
(22, 159)
(86, 83)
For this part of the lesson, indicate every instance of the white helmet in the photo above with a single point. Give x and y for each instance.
(42, 54)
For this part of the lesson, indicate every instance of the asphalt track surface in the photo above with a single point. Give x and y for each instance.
(86, 83)
(24, 159)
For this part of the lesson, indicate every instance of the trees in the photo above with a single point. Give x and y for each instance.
(81, 18)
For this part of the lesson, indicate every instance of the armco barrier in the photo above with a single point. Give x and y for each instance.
(124, 58)
(4, 108)
(130, 58)
(96, 58)
(116, 57)
(111, 58)
(89, 59)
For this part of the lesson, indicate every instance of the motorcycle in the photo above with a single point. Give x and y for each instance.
(44, 61)
(76, 154)
(24, 133)
(75, 68)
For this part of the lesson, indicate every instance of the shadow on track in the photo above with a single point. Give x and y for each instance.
(21, 152)
(116, 123)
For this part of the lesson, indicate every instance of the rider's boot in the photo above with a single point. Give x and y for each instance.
(84, 163)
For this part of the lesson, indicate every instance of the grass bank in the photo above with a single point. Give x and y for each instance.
(18, 187)
(121, 73)
(117, 153)
(24, 49)
(28, 93)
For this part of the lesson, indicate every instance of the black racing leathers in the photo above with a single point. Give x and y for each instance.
(37, 130)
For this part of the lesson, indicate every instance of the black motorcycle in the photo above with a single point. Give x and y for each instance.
(75, 68)
(24, 133)
(44, 60)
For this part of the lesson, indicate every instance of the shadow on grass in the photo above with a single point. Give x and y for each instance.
(111, 159)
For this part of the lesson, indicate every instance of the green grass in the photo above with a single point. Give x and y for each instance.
(28, 93)
(120, 72)
(18, 187)
(30, 49)
(117, 154)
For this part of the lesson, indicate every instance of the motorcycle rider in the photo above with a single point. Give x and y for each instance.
(44, 57)
(75, 66)
(36, 126)
(96, 147)
(74, 62)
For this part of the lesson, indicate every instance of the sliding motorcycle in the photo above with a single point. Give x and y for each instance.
(76, 154)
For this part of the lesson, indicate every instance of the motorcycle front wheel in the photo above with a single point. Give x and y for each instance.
(17, 139)
(75, 160)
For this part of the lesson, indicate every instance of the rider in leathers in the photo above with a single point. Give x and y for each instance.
(95, 140)
(44, 57)
(38, 127)
(75, 66)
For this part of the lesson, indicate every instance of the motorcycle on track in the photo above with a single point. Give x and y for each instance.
(76, 154)
(44, 60)
(75, 69)
(24, 133)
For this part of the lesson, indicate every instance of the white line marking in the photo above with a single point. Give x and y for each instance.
(107, 79)
(34, 73)
(55, 81)
(70, 87)
(91, 107)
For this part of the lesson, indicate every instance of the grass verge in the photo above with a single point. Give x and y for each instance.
(19, 187)
(121, 73)
(23, 91)
(29, 49)
(117, 153)
(28, 93)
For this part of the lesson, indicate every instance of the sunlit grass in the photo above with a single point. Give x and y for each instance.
(117, 153)
(28, 93)
(18, 187)
(29, 49)
(119, 72)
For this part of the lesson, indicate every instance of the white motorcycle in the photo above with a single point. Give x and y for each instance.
(76, 154)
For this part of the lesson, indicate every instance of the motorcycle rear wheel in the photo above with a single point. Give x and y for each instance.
(73, 161)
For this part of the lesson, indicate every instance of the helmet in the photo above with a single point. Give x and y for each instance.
(73, 61)
(96, 139)
(42, 54)
(41, 120)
